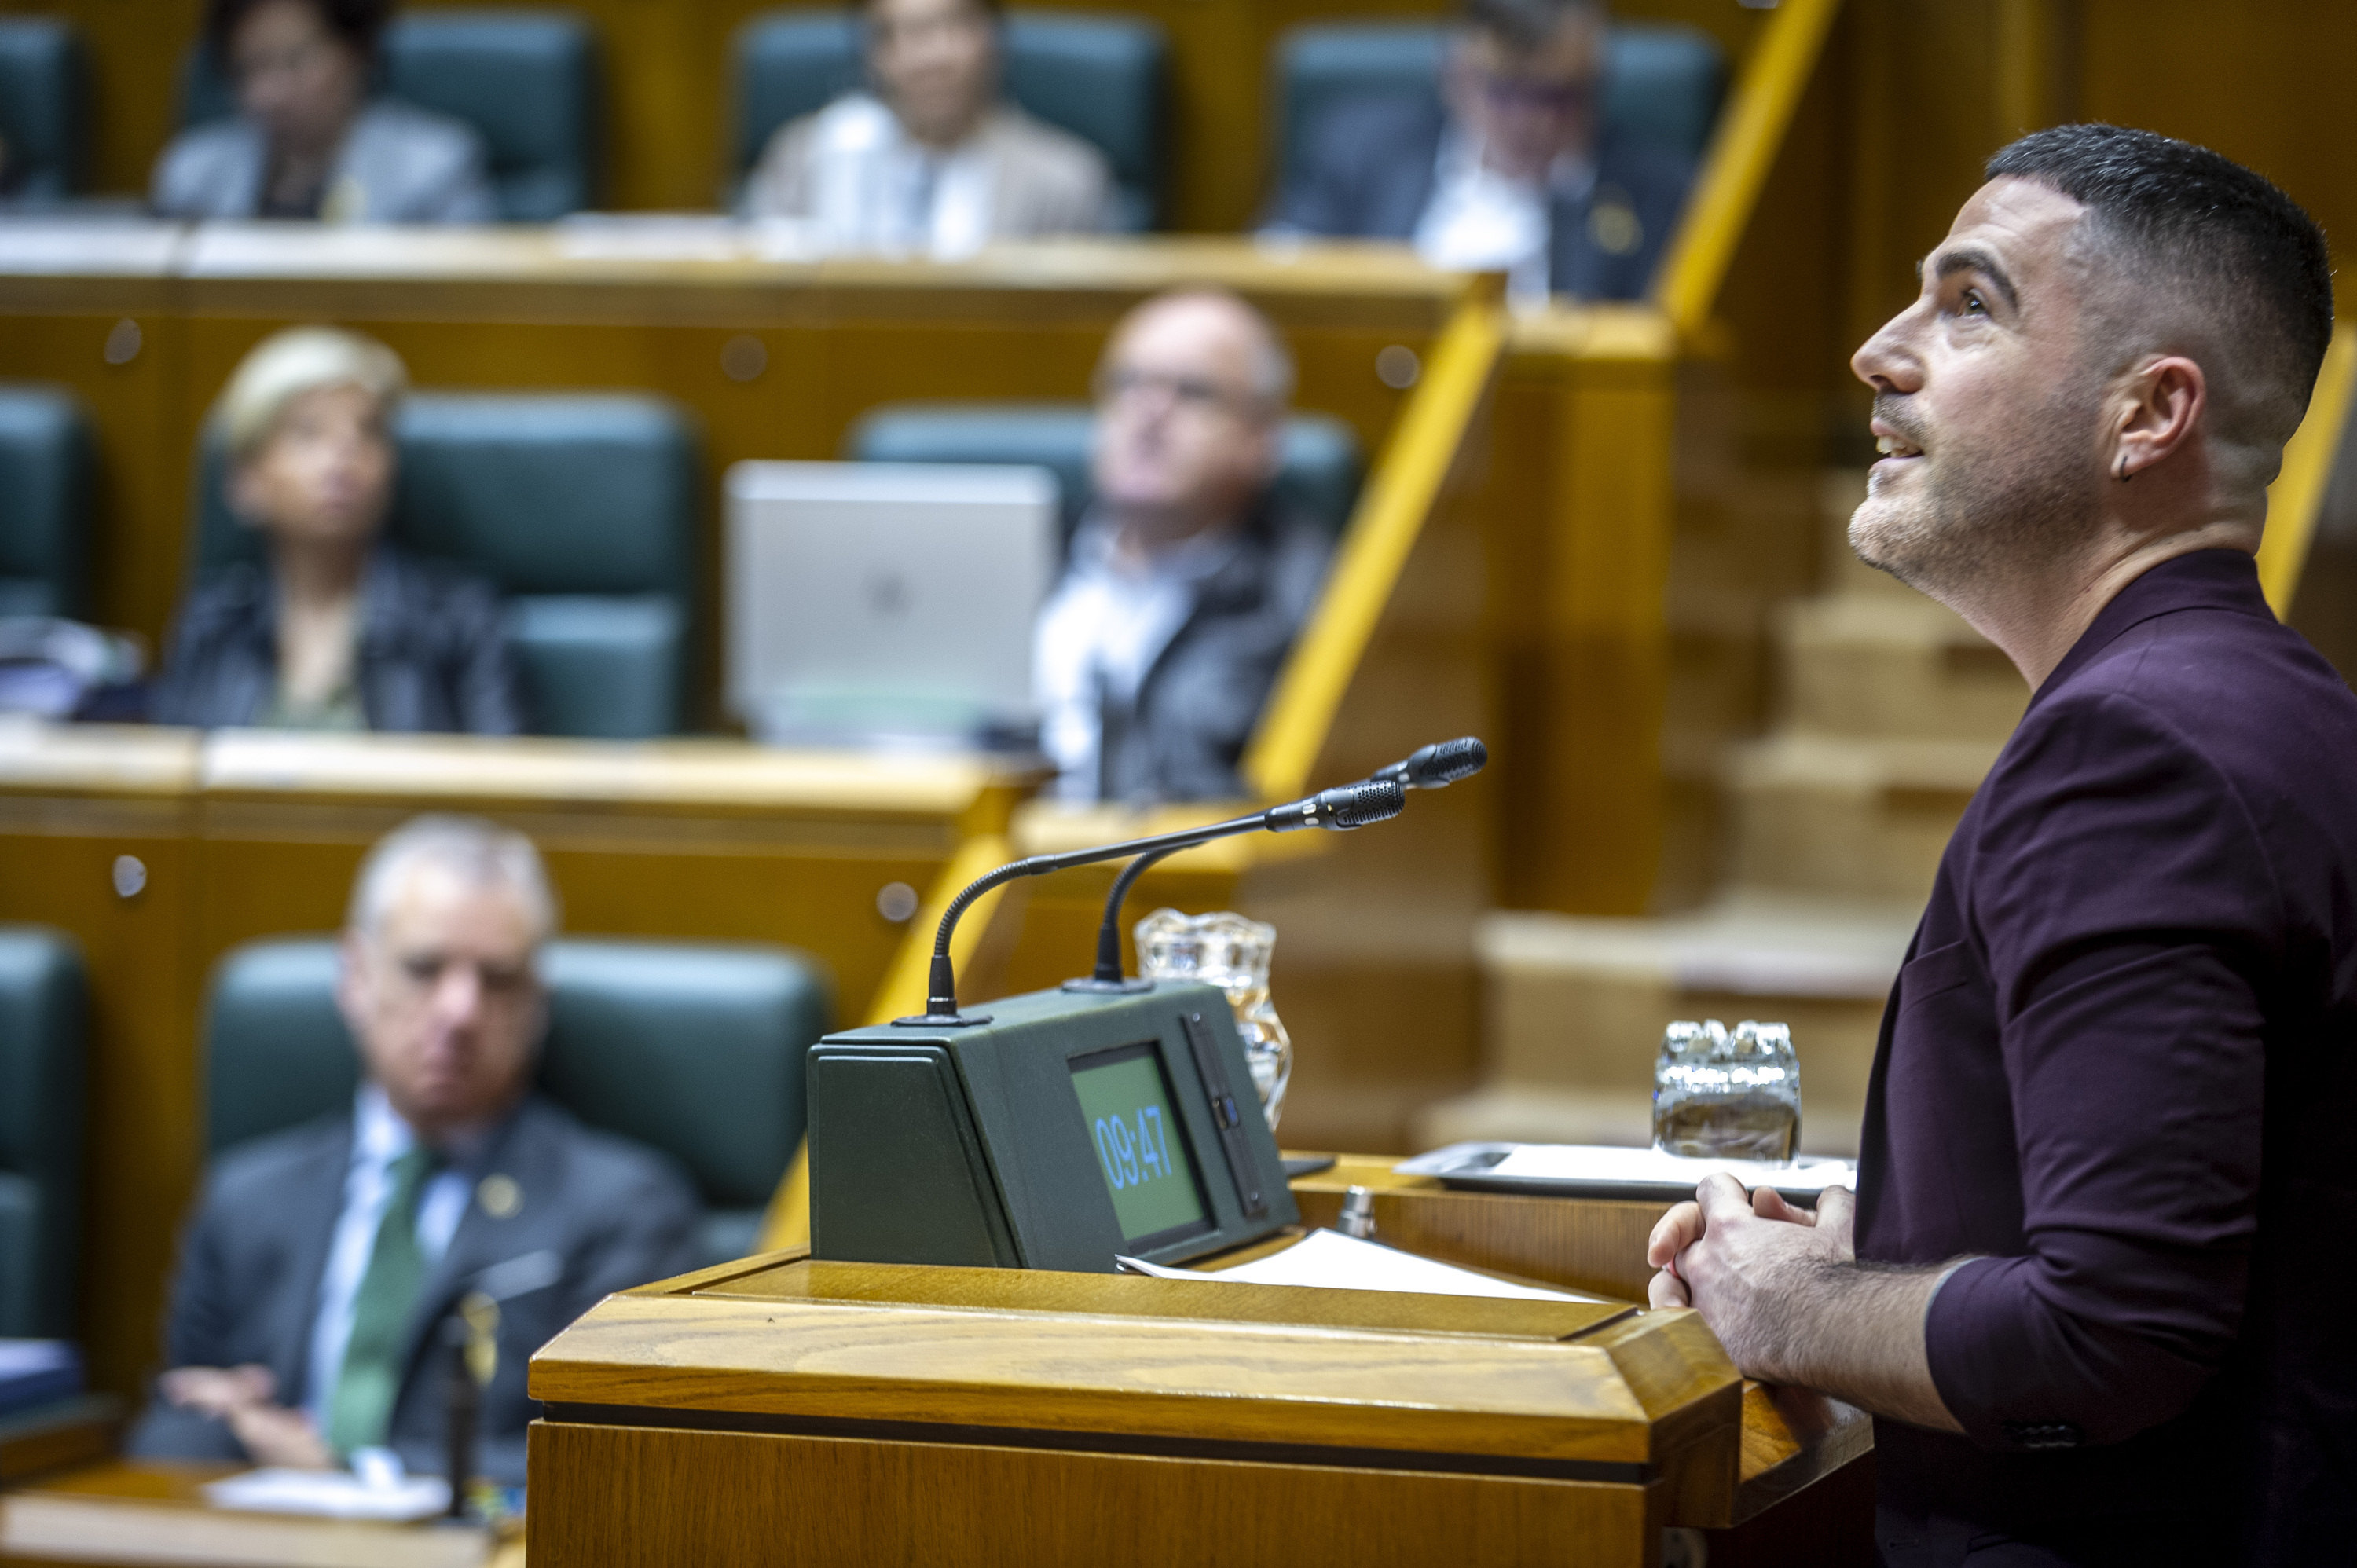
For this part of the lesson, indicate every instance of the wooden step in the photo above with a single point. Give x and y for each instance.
(1574, 1009)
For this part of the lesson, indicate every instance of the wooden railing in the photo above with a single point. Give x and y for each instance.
(1400, 498)
(2296, 496)
(1742, 150)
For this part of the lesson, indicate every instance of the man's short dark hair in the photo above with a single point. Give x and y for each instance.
(1523, 25)
(357, 23)
(2182, 213)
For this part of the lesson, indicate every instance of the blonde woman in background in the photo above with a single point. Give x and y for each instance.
(338, 630)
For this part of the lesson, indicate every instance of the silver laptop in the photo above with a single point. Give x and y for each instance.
(886, 603)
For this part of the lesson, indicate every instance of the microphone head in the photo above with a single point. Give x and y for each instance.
(1444, 762)
(1356, 805)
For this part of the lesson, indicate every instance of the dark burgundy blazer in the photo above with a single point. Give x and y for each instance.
(2120, 1066)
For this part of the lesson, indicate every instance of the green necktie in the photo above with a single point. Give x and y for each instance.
(362, 1407)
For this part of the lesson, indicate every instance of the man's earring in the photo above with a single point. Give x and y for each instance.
(2120, 468)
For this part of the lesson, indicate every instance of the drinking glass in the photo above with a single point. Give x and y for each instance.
(1232, 954)
(1728, 1096)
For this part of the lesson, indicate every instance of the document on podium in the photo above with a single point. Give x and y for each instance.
(1331, 1261)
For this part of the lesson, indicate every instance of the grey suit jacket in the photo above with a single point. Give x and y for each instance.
(1373, 162)
(398, 165)
(607, 1213)
(1043, 180)
(433, 654)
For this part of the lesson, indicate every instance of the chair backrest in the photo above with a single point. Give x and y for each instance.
(1319, 474)
(580, 507)
(1101, 78)
(43, 1025)
(693, 1049)
(1662, 83)
(43, 103)
(525, 80)
(45, 463)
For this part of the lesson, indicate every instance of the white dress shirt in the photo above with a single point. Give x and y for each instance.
(1101, 632)
(1482, 221)
(878, 189)
(379, 1137)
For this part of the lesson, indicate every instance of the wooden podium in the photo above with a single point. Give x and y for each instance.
(787, 1411)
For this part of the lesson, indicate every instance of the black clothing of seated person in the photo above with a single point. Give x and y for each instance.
(341, 630)
(1184, 589)
(321, 1260)
(1506, 170)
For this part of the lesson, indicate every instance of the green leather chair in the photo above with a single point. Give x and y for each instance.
(525, 80)
(1101, 78)
(1320, 471)
(44, 95)
(693, 1049)
(45, 476)
(43, 1020)
(1662, 84)
(580, 507)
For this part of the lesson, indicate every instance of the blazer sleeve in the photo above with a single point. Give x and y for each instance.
(486, 691)
(779, 186)
(2131, 926)
(1320, 198)
(197, 1334)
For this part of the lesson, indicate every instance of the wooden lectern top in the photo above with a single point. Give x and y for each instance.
(1570, 1390)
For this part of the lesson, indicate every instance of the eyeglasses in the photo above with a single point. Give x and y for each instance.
(1535, 95)
(1121, 383)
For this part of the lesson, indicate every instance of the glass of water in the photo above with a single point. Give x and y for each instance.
(1232, 954)
(1726, 1096)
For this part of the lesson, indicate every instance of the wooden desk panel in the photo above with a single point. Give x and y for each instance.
(723, 1499)
(246, 834)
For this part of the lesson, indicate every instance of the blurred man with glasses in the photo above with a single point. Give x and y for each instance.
(1508, 168)
(1186, 584)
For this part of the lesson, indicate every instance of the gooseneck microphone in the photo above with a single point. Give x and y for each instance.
(1439, 764)
(1343, 807)
(1434, 767)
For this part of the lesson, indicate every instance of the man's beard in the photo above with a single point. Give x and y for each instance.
(2015, 506)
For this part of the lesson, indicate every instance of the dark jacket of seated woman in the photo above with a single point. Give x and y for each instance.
(430, 654)
(336, 629)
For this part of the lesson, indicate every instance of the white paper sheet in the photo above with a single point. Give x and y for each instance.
(1331, 1261)
(331, 1494)
(1598, 1163)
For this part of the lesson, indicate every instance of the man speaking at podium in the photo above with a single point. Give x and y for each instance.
(2097, 1282)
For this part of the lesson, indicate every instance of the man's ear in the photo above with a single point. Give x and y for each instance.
(352, 982)
(2166, 400)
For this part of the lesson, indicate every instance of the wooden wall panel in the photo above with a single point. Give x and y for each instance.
(56, 860)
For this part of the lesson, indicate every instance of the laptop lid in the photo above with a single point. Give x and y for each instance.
(879, 601)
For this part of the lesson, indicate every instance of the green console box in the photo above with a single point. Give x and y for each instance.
(1070, 1127)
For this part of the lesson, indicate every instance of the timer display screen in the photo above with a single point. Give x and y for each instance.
(1141, 1145)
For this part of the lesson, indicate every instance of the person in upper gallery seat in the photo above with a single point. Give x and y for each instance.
(1186, 584)
(1507, 170)
(308, 141)
(338, 630)
(321, 1260)
(933, 160)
